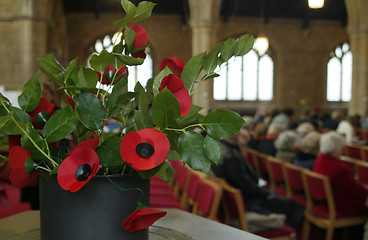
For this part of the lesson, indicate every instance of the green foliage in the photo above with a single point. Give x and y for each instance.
(145, 107)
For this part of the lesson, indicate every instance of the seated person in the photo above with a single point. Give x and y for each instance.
(349, 195)
(267, 145)
(283, 119)
(308, 152)
(259, 133)
(302, 130)
(284, 144)
(240, 175)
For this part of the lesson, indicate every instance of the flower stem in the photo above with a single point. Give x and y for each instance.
(55, 164)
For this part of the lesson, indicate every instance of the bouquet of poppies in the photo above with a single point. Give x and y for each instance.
(156, 123)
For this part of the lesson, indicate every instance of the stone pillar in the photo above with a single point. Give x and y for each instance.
(24, 28)
(358, 33)
(204, 16)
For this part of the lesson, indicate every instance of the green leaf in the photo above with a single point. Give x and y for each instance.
(143, 11)
(29, 165)
(243, 45)
(30, 97)
(212, 148)
(51, 67)
(69, 69)
(227, 49)
(191, 71)
(210, 60)
(100, 62)
(3, 159)
(109, 154)
(157, 80)
(191, 118)
(166, 172)
(129, 61)
(149, 173)
(210, 76)
(192, 151)
(118, 90)
(91, 111)
(222, 123)
(60, 125)
(8, 126)
(173, 155)
(36, 137)
(84, 77)
(165, 109)
(129, 35)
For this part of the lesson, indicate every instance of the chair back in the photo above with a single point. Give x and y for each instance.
(261, 162)
(182, 181)
(207, 200)
(276, 175)
(250, 158)
(362, 171)
(353, 151)
(294, 183)
(364, 152)
(190, 191)
(319, 194)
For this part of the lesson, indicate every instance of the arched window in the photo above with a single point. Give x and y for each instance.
(248, 78)
(141, 73)
(339, 74)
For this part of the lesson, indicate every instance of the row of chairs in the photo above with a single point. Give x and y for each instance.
(356, 151)
(307, 188)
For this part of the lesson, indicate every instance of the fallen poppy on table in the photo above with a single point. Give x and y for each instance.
(174, 64)
(141, 40)
(176, 86)
(145, 149)
(41, 113)
(109, 74)
(19, 176)
(78, 168)
(142, 218)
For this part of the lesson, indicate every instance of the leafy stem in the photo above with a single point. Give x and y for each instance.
(184, 129)
(55, 164)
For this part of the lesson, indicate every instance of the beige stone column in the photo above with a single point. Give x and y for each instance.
(24, 28)
(358, 34)
(204, 16)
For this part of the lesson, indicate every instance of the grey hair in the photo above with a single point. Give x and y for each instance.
(331, 142)
(310, 142)
(305, 128)
(286, 140)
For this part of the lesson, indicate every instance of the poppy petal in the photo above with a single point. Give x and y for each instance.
(141, 38)
(174, 64)
(184, 101)
(66, 173)
(142, 218)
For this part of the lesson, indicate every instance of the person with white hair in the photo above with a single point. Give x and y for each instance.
(284, 144)
(302, 130)
(349, 195)
(309, 149)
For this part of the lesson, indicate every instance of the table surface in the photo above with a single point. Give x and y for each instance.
(177, 224)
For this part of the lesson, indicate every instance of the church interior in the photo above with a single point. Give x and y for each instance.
(313, 64)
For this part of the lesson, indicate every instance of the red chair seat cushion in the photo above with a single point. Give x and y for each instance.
(272, 233)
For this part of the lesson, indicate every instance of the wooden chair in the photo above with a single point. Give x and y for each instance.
(276, 175)
(294, 183)
(190, 190)
(359, 133)
(353, 151)
(250, 158)
(207, 200)
(262, 165)
(320, 209)
(233, 204)
(361, 168)
(364, 153)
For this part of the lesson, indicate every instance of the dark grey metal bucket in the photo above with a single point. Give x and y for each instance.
(94, 212)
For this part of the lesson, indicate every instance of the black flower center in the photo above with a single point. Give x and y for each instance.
(109, 75)
(83, 172)
(145, 150)
(42, 117)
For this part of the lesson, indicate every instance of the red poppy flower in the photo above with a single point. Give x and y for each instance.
(110, 72)
(78, 168)
(90, 143)
(41, 113)
(175, 64)
(141, 40)
(142, 218)
(19, 176)
(176, 86)
(144, 149)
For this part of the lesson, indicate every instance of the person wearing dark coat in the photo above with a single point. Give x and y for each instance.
(240, 175)
(267, 145)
